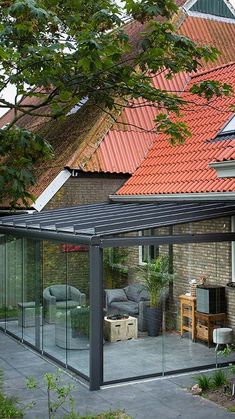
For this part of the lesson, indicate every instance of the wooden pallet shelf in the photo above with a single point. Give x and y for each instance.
(187, 314)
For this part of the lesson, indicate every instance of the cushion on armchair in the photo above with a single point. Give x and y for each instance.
(117, 294)
(59, 292)
(126, 307)
(136, 292)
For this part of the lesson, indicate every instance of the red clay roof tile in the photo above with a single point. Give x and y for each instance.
(185, 168)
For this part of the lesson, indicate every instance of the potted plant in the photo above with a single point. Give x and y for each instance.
(156, 278)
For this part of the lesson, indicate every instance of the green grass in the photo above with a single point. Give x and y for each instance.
(231, 409)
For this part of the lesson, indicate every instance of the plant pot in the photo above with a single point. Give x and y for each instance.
(153, 320)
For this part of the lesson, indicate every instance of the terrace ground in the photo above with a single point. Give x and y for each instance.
(166, 398)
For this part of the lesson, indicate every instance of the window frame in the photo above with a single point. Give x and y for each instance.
(150, 248)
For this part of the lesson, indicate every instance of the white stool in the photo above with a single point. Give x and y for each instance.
(222, 336)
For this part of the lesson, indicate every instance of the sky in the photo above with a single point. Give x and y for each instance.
(7, 94)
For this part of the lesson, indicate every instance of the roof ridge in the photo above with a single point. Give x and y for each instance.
(211, 70)
(132, 130)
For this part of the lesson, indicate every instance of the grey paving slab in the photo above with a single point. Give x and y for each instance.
(165, 398)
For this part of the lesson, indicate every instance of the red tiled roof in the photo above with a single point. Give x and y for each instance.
(204, 31)
(142, 117)
(185, 168)
(120, 152)
(228, 153)
(214, 33)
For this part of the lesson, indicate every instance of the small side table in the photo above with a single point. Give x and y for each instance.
(187, 311)
(205, 323)
(123, 329)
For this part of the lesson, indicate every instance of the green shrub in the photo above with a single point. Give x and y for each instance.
(8, 408)
(204, 382)
(218, 379)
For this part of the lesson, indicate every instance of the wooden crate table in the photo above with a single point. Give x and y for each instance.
(205, 323)
(123, 329)
(187, 311)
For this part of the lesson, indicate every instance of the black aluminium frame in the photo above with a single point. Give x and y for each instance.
(98, 237)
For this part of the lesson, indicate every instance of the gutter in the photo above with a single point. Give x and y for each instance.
(216, 196)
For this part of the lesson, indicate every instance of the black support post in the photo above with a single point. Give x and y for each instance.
(96, 317)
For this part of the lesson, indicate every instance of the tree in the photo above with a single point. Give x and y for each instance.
(62, 52)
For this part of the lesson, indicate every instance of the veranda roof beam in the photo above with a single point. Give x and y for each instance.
(168, 239)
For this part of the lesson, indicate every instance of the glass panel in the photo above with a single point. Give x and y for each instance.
(132, 339)
(197, 306)
(14, 283)
(30, 306)
(194, 311)
(2, 281)
(55, 297)
(66, 304)
(78, 325)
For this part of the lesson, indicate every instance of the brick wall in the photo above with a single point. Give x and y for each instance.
(86, 189)
(211, 259)
(59, 266)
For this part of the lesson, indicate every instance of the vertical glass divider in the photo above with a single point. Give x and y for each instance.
(96, 317)
(6, 274)
(37, 294)
(66, 312)
(23, 279)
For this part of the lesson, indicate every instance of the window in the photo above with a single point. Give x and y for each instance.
(147, 253)
(229, 127)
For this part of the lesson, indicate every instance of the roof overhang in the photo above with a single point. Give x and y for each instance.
(224, 169)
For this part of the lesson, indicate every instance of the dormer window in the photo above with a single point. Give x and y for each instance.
(220, 9)
(229, 127)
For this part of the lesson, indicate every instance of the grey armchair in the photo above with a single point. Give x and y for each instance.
(130, 300)
(61, 297)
